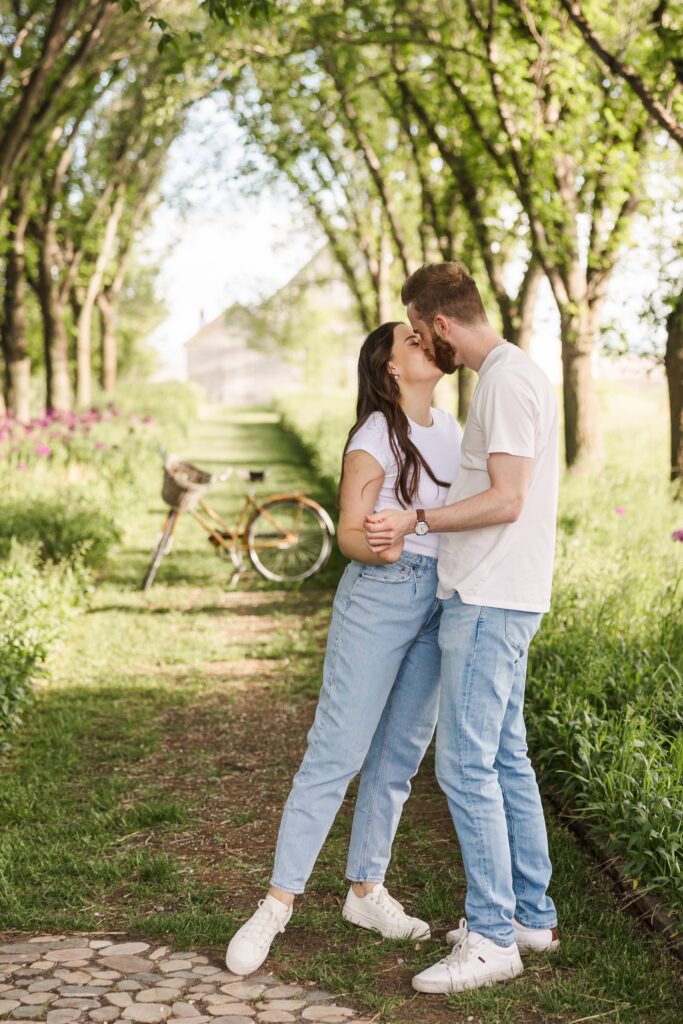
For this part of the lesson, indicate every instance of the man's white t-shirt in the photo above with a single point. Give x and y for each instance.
(514, 411)
(439, 446)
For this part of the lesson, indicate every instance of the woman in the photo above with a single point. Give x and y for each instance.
(378, 703)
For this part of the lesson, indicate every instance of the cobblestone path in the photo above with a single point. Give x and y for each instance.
(60, 979)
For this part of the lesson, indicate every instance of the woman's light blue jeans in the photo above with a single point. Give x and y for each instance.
(376, 715)
(483, 768)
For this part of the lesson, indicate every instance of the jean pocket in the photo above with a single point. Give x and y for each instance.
(520, 628)
(390, 572)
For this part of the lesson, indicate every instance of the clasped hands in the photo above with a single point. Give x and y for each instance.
(385, 530)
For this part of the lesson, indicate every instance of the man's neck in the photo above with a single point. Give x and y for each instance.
(484, 342)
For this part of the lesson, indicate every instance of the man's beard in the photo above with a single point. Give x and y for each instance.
(444, 355)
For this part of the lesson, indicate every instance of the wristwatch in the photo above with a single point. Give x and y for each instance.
(421, 526)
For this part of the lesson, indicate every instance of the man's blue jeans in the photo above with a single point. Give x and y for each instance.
(376, 714)
(483, 768)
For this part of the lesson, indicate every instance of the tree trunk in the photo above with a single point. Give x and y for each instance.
(84, 322)
(384, 297)
(106, 303)
(14, 340)
(583, 446)
(55, 338)
(467, 382)
(82, 314)
(528, 294)
(673, 362)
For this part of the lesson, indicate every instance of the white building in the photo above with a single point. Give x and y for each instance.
(221, 360)
(246, 355)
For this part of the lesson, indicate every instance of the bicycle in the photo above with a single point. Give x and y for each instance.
(288, 536)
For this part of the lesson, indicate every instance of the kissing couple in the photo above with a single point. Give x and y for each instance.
(451, 539)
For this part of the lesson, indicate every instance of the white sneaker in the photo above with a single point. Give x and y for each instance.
(529, 940)
(536, 940)
(382, 913)
(250, 946)
(476, 962)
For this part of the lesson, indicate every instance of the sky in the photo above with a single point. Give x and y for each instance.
(217, 240)
(221, 236)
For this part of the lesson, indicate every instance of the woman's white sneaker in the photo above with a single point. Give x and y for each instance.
(250, 946)
(476, 962)
(529, 940)
(381, 913)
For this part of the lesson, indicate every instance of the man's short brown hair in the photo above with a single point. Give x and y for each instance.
(446, 288)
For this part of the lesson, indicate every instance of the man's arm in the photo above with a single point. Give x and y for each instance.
(502, 502)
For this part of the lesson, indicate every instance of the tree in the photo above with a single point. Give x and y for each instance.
(534, 112)
(660, 56)
(13, 327)
(300, 132)
(49, 45)
(653, 69)
(337, 114)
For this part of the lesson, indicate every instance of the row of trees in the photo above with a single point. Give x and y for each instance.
(505, 133)
(517, 136)
(91, 100)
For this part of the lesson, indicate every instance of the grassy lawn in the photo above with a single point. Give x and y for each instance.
(145, 791)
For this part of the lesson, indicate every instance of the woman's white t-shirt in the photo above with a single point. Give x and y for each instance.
(439, 446)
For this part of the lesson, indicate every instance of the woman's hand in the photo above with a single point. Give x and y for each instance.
(386, 529)
(392, 554)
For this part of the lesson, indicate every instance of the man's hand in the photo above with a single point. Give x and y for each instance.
(386, 529)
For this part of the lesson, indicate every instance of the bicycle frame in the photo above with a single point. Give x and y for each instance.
(237, 534)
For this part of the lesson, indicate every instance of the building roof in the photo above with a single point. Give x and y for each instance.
(231, 313)
(238, 310)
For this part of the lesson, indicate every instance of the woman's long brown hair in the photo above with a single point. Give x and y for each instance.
(379, 392)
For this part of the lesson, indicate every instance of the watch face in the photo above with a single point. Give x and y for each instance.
(421, 529)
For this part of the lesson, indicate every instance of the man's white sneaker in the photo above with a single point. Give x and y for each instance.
(536, 940)
(476, 962)
(382, 913)
(529, 940)
(250, 946)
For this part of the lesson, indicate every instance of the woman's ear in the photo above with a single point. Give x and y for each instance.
(392, 371)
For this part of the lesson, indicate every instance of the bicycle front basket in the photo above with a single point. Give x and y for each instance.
(184, 484)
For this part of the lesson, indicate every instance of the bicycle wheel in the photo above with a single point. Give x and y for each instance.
(289, 539)
(162, 548)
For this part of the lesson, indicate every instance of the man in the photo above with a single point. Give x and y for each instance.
(495, 572)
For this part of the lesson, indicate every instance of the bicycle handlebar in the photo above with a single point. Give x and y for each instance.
(243, 474)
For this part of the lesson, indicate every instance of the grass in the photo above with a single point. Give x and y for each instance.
(145, 792)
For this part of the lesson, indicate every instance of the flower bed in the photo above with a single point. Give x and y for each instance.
(69, 480)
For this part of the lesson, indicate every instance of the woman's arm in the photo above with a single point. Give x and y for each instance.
(361, 484)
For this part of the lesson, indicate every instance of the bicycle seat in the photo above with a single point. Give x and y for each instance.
(257, 475)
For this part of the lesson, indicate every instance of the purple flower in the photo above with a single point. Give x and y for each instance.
(100, 446)
(148, 419)
(677, 535)
(22, 465)
(44, 449)
(620, 511)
